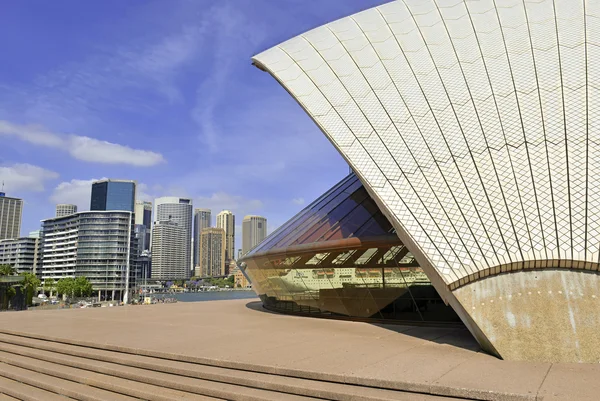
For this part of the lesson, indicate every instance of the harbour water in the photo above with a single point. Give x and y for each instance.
(210, 295)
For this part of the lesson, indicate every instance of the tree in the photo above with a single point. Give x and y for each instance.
(83, 288)
(7, 270)
(49, 285)
(66, 287)
(30, 284)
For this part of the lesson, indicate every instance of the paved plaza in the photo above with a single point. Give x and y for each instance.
(241, 334)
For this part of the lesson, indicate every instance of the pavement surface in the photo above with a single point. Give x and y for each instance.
(241, 334)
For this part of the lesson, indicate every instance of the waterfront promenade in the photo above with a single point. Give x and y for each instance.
(308, 354)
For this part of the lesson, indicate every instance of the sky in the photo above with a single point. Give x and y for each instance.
(162, 92)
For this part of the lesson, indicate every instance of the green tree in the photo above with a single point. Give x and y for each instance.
(30, 284)
(83, 288)
(7, 270)
(66, 286)
(9, 293)
(49, 285)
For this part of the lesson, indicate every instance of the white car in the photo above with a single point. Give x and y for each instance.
(42, 296)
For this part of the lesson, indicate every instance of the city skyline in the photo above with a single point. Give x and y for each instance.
(147, 121)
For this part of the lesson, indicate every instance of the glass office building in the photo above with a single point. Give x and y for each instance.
(113, 195)
(340, 257)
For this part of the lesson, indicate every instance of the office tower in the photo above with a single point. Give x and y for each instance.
(65, 209)
(212, 252)
(143, 217)
(254, 230)
(178, 210)
(226, 221)
(11, 211)
(202, 220)
(169, 261)
(98, 245)
(21, 253)
(239, 253)
(143, 213)
(113, 195)
(142, 235)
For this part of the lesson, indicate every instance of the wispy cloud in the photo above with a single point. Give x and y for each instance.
(82, 147)
(298, 201)
(25, 177)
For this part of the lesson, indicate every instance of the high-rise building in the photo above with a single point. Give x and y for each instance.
(11, 211)
(169, 260)
(212, 252)
(98, 245)
(254, 230)
(21, 253)
(143, 217)
(202, 220)
(178, 210)
(113, 195)
(65, 209)
(143, 213)
(226, 221)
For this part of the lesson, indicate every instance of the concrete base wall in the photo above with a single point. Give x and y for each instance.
(537, 315)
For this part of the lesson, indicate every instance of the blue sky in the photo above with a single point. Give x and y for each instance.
(162, 92)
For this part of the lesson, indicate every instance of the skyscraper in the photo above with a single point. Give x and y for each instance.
(143, 224)
(11, 211)
(169, 260)
(212, 252)
(65, 209)
(226, 221)
(113, 195)
(143, 213)
(202, 220)
(254, 230)
(177, 210)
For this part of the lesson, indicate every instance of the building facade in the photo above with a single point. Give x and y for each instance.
(180, 211)
(98, 245)
(21, 253)
(65, 209)
(472, 127)
(169, 261)
(143, 217)
(212, 252)
(11, 213)
(226, 221)
(111, 194)
(254, 230)
(202, 220)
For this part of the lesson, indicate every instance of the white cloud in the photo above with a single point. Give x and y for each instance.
(82, 147)
(77, 192)
(93, 150)
(25, 177)
(298, 201)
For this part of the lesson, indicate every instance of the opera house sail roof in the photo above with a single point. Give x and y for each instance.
(473, 126)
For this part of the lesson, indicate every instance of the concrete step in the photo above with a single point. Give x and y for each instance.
(214, 380)
(64, 366)
(25, 392)
(4, 397)
(25, 369)
(59, 386)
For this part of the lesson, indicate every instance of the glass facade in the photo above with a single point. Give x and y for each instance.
(340, 257)
(113, 195)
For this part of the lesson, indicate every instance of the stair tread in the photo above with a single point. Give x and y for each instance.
(26, 392)
(183, 383)
(28, 367)
(60, 386)
(308, 387)
(6, 397)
